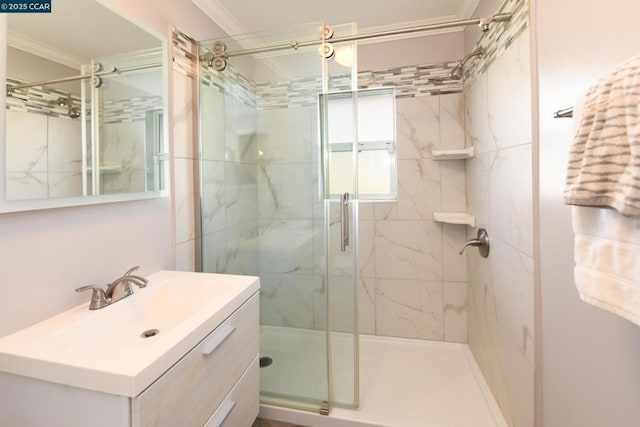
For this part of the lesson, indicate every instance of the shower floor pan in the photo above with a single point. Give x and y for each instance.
(403, 382)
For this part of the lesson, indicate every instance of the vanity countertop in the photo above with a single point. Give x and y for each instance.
(104, 350)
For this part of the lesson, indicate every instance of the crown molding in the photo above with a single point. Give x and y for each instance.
(221, 16)
(36, 47)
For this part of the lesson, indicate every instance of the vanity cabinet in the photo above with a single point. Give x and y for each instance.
(216, 383)
(211, 382)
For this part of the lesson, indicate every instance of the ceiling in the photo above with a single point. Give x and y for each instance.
(75, 32)
(249, 16)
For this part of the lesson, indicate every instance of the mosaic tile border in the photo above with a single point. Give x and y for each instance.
(293, 93)
(40, 100)
(499, 37)
(130, 109)
(185, 53)
(230, 82)
(412, 81)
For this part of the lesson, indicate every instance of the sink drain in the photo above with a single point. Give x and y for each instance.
(265, 361)
(150, 333)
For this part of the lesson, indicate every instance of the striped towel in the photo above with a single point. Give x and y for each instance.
(604, 162)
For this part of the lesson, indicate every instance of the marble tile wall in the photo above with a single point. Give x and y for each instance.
(230, 176)
(289, 229)
(48, 161)
(412, 281)
(499, 192)
(54, 138)
(123, 152)
(225, 240)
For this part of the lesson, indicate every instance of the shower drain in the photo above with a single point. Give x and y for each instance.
(265, 361)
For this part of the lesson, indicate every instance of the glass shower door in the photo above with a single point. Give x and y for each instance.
(339, 170)
(262, 211)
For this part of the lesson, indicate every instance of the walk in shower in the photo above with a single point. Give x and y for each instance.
(328, 182)
(265, 211)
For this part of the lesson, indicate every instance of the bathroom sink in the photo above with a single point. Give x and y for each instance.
(122, 348)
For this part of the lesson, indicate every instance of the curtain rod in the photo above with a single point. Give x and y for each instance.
(483, 22)
(80, 77)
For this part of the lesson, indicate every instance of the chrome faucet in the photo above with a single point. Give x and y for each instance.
(116, 290)
(121, 287)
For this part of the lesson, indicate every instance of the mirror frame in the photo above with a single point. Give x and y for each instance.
(8, 206)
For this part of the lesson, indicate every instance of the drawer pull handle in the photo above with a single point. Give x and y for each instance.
(215, 341)
(221, 415)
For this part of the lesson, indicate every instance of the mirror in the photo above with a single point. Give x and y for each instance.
(84, 109)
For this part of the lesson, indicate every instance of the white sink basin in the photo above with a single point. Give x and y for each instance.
(104, 350)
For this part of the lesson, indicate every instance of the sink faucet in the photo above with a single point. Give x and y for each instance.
(116, 290)
(121, 287)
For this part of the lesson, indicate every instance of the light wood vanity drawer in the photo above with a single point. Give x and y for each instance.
(240, 408)
(189, 392)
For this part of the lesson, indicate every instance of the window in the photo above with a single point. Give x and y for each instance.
(374, 132)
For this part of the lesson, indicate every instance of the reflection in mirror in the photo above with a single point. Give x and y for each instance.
(84, 105)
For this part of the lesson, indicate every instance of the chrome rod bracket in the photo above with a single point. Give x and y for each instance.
(96, 81)
(216, 58)
(565, 113)
(326, 49)
(325, 32)
(219, 48)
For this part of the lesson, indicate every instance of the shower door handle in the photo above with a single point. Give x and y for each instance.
(344, 221)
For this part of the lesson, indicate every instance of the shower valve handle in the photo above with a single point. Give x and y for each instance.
(481, 242)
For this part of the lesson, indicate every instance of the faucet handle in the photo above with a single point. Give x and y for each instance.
(472, 242)
(98, 297)
(481, 242)
(141, 282)
(131, 270)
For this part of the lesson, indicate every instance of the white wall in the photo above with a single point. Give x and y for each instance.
(432, 49)
(590, 359)
(45, 255)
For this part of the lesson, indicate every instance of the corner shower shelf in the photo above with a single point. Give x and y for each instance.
(455, 218)
(458, 154)
(108, 168)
